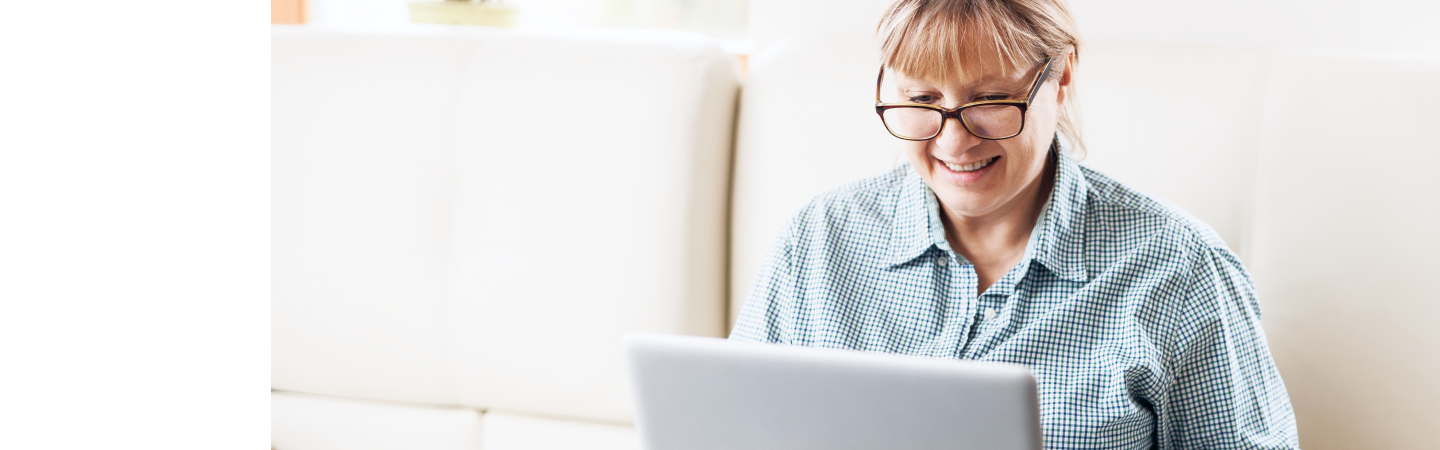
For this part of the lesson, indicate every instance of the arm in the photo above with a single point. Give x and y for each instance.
(1225, 390)
(766, 313)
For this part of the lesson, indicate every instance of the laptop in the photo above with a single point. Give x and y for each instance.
(697, 393)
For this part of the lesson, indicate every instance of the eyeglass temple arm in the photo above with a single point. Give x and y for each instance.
(878, 79)
(1044, 73)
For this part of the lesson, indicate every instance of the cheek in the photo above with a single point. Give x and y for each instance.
(919, 154)
(1041, 121)
(1040, 127)
(1027, 151)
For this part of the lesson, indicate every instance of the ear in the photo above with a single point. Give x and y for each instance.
(1066, 77)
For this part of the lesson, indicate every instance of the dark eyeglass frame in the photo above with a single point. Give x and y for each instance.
(946, 114)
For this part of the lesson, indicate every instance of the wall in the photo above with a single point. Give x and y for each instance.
(1385, 26)
(725, 19)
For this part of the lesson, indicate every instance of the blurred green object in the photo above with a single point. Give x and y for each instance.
(463, 12)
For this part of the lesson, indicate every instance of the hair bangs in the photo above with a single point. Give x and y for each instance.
(932, 42)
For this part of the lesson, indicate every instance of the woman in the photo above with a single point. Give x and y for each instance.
(1141, 326)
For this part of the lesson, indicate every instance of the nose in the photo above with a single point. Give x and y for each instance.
(954, 138)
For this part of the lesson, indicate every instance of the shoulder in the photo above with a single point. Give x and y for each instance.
(1178, 258)
(1126, 215)
(867, 204)
(1127, 231)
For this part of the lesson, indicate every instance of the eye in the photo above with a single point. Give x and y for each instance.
(922, 99)
(989, 97)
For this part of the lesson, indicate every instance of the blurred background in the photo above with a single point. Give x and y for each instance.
(1390, 26)
(405, 315)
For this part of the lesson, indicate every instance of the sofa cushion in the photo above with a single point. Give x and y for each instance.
(363, 192)
(308, 422)
(474, 217)
(592, 201)
(505, 431)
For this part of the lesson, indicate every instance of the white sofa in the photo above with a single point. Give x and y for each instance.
(466, 221)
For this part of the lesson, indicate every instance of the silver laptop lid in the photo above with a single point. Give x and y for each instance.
(706, 393)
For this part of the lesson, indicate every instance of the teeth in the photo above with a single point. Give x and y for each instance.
(969, 167)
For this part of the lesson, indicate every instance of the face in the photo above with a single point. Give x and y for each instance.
(975, 177)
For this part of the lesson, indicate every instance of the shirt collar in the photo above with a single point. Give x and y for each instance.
(915, 230)
(1057, 242)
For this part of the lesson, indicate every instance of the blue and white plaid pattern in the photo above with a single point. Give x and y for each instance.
(1141, 326)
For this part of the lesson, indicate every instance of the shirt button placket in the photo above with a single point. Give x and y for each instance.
(962, 293)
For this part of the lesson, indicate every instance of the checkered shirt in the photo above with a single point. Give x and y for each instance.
(1141, 326)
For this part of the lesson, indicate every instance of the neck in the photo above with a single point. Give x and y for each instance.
(996, 241)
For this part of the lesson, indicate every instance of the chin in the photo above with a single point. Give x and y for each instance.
(965, 202)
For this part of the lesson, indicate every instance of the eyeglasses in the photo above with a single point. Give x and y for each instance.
(989, 119)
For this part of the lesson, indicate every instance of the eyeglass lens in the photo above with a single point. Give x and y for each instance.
(985, 121)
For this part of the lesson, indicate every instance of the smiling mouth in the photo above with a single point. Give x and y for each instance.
(970, 167)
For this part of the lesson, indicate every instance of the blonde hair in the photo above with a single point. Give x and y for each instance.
(933, 39)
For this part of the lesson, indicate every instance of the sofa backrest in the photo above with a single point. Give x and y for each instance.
(468, 217)
(1347, 207)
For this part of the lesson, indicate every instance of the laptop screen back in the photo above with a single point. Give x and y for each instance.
(705, 393)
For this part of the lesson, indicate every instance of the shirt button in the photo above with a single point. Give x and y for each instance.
(942, 261)
(989, 313)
